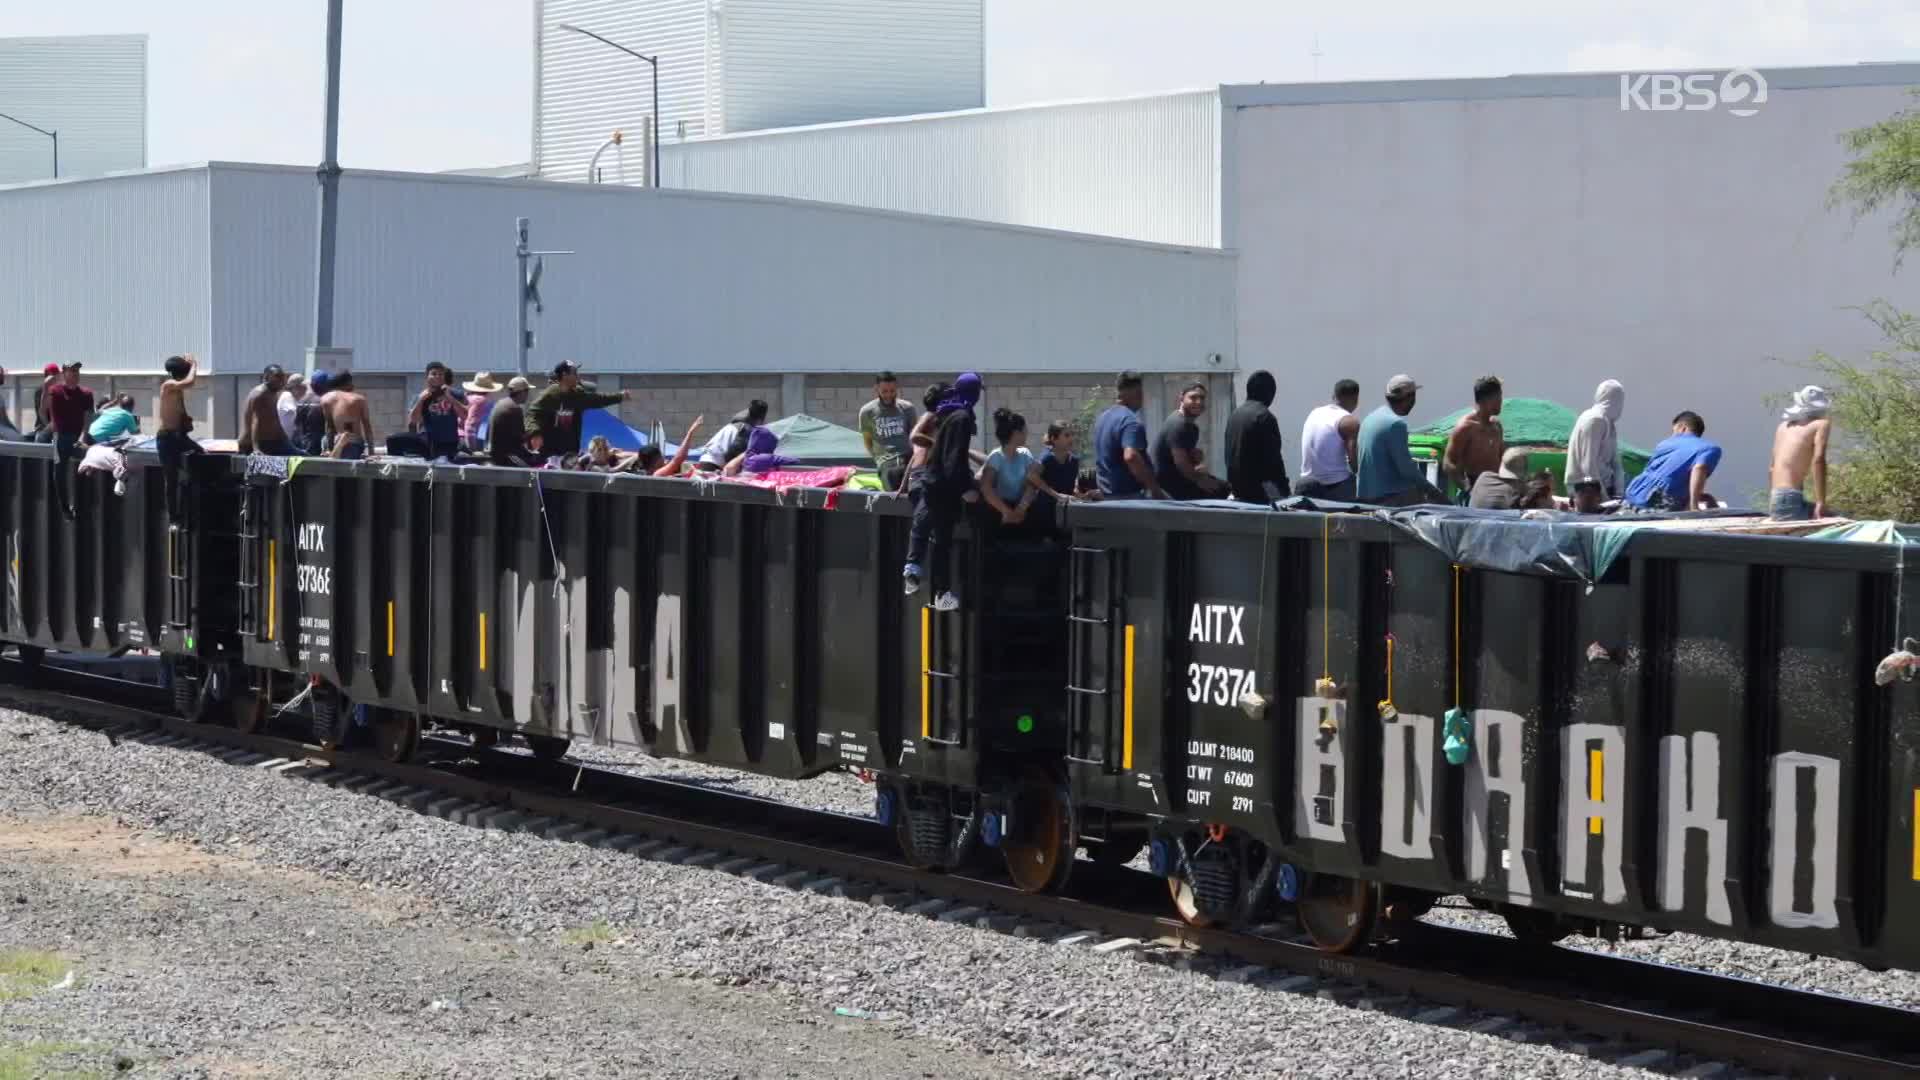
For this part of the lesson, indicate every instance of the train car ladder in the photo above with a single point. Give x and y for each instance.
(1095, 627)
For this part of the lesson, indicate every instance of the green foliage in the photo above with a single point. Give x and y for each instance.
(1098, 398)
(1885, 171)
(1875, 455)
(26, 972)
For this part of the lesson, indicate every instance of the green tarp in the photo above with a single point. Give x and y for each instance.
(1869, 532)
(820, 442)
(1527, 422)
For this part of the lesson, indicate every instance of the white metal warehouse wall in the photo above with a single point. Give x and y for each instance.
(1140, 168)
(584, 91)
(92, 90)
(740, 65)
(790, 62)
(1530, 228)
(678, 281)
(112, 272)
(218, 259)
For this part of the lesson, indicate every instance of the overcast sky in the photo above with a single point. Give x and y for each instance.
(437, 84)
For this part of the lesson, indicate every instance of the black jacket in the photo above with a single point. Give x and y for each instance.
(1254, 454)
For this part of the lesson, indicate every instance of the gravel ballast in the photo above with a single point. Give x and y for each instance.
(777, 956)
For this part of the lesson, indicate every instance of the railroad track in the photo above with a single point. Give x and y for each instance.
(1637, 1012)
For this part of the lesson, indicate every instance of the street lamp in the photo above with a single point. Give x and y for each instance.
(54, 135)
(652, 61)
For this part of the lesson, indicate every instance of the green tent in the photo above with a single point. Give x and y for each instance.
(1531, 422)
(820, 442)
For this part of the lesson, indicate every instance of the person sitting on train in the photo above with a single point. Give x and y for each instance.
(1676, 475)
(1589, 497)
(8, 432)
(652, 462)
(600, 456)
(507, 428)
(731, 440)
(760, 455)
(945, 479)
(1503, 488)
(348, 418)
(1059, 470)
(114, 424)
(1011, 481)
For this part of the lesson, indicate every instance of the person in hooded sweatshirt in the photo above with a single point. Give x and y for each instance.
(943, 482)
(1593, 450)
(1256, 467)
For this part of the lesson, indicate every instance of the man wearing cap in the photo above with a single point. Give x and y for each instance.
(1503, 488)
(554, 416)
(1800, 451)
(1385, 473)
(480, 402)
(507, 428)
(68, 405)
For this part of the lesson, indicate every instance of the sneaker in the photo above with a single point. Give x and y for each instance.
(946, 602)
(910, 579)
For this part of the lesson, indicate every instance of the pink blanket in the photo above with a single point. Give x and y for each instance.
(782, 479)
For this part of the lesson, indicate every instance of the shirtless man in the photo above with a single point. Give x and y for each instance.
(174, 441)
(348, 419)
(1800, 449)
(1476, 443)
(260, 430)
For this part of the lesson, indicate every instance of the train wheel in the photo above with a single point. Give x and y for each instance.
(484, 738)
(1337, 912)
(396, 734)
(549, 747)
(1041, 839)
(1185, 903)
(332, 717)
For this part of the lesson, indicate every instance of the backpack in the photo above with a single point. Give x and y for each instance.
(949, 467)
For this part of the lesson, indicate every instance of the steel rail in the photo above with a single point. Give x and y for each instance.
(1590, 996)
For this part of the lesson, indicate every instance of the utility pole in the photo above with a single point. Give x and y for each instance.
(323, 352)
(532, 264)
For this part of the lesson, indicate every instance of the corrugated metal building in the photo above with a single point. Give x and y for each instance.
(696, 301)
(1141, 168)
(1529, 226)
(91, 91)
(738, 66)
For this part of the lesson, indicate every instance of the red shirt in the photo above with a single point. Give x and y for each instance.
(68, 406)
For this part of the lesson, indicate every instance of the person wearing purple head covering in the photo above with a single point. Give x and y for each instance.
(944, 481)
(963, 394)
(760, 456)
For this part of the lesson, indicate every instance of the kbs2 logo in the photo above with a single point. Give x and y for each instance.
(1741, 92)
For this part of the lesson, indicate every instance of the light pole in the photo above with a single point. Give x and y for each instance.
(54, 135)
(329, 175)
(653, 62)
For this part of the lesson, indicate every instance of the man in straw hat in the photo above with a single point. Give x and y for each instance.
(1799, 449)
(480, 402)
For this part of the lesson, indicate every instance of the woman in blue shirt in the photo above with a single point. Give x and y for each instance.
(1011, 479)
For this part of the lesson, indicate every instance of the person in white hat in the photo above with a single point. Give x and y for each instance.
(480, 402)
(1800, 450)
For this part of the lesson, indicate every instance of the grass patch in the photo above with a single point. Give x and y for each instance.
(26, 972)
(33, 1061)
(596, 932)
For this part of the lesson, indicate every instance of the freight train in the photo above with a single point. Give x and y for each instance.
(1348, 714)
